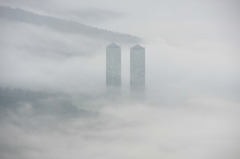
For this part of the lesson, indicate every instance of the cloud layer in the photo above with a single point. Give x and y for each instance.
(203, 128)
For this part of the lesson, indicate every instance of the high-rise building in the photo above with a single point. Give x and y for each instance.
(113, 69)
(137, 71)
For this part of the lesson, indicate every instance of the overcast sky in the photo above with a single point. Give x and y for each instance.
(190, 45)
(192, 72)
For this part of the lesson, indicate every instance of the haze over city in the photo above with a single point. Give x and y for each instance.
(171, 89)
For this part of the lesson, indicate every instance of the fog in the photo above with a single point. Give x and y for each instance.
(52, 85)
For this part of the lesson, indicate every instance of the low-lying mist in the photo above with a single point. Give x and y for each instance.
(37, 124)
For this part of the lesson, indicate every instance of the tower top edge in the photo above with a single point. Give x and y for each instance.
(137, 47)
(113, 45)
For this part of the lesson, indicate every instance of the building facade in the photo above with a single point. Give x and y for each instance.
(113, 69)
(137, 71)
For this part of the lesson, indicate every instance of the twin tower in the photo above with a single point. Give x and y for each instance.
(137, 70)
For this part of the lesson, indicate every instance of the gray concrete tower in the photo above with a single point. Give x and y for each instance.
(137, 71)
(113, 69)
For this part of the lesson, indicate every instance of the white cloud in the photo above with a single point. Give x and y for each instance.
(197, 130)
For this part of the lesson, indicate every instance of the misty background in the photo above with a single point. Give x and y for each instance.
(52, 79)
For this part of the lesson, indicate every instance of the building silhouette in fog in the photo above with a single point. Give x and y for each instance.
(137, 71)
(113, 69)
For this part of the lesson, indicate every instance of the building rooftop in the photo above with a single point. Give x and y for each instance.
(113, 45)
(137, 47)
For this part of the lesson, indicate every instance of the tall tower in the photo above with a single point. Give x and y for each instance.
(137, 71)
(113, 69)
